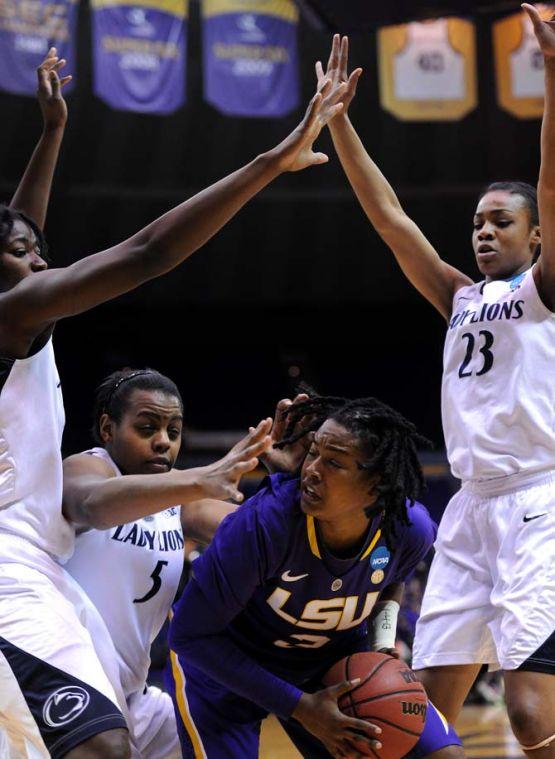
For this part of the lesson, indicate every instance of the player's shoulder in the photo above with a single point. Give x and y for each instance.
(422, 528)
(277, 500)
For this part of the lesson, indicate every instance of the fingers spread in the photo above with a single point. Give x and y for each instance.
(244, 466)
(54, 81)
(344, 56)
(319, 71)
(334, 54)
(318, 158)
(344, 687)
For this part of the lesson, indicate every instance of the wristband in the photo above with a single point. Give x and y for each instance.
(383, 625)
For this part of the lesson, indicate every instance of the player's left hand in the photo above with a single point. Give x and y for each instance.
(295, 152)
(544, 30)
(291, 458)
(49, 91)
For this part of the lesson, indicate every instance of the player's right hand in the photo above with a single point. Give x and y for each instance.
(337, 71)
(221, 479)
(320, 715)
(49, 90)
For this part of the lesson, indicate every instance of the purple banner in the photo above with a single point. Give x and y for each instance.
(250, 56)
(27, 31)
(139, 54)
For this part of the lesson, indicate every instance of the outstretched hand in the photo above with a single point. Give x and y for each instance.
(544, 30)
(221, 479)
(49, 91)
(337, 71)
(295, 152)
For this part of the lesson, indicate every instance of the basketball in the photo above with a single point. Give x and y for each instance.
(388, 695)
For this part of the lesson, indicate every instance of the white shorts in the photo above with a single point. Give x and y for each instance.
(153, 722)
(54, 691)
(490, 596)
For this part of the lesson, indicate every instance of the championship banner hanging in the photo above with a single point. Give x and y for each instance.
(27, 31)
(519, 64)
(139, 54)
(428, 70)
(250, 56)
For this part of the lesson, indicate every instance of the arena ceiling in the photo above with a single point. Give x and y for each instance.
(351, 16)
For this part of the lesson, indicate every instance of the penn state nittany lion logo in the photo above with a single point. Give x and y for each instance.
(65, 705)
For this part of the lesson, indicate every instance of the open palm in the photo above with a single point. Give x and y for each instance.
(296, 151)
(337, 70)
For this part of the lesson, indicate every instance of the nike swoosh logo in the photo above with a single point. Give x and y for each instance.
(288, 577)
(536, 516)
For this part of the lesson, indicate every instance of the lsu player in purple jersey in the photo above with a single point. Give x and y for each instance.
(292, 582)
(490, 597)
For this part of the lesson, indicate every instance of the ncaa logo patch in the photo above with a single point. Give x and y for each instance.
(379, 559)
(65, 705)
(516, 281)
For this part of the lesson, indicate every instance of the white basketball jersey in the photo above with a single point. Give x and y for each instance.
(498, 394)
(31, 425)
(428, 68)
(131, 573)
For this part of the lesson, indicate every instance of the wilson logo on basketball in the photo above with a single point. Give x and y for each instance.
(414, 708)
(65, 705)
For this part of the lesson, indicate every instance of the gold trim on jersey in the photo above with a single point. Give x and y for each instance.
(375, 539)
(183, 706)
(313, 539)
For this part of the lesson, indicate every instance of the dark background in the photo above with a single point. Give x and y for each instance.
(299, 278)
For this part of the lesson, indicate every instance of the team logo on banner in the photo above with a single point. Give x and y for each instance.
(519, 64)
(27, 31)
(250, 56)
(428, 70)
(139, 54)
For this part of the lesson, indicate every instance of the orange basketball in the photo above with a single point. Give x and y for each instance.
(388, 695)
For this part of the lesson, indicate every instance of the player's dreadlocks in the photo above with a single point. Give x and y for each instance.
(387, 440)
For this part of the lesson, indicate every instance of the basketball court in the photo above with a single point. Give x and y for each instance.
(485, 732)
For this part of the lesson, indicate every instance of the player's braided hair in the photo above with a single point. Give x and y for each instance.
(112, 395)
(8, 217)
(388, 442)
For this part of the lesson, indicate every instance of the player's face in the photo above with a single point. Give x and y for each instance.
(333, 485)
(148, 437)
(503, 239)
(19, 257)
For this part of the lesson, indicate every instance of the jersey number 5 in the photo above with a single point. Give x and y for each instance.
(485, 350)
(156, 583)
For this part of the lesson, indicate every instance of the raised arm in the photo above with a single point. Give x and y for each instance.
(95, 497)
(545, 33)
(436, 280)
(46, 296)
(33, 192)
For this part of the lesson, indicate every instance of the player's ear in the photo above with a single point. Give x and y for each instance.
(535, 237)
(105, 428)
